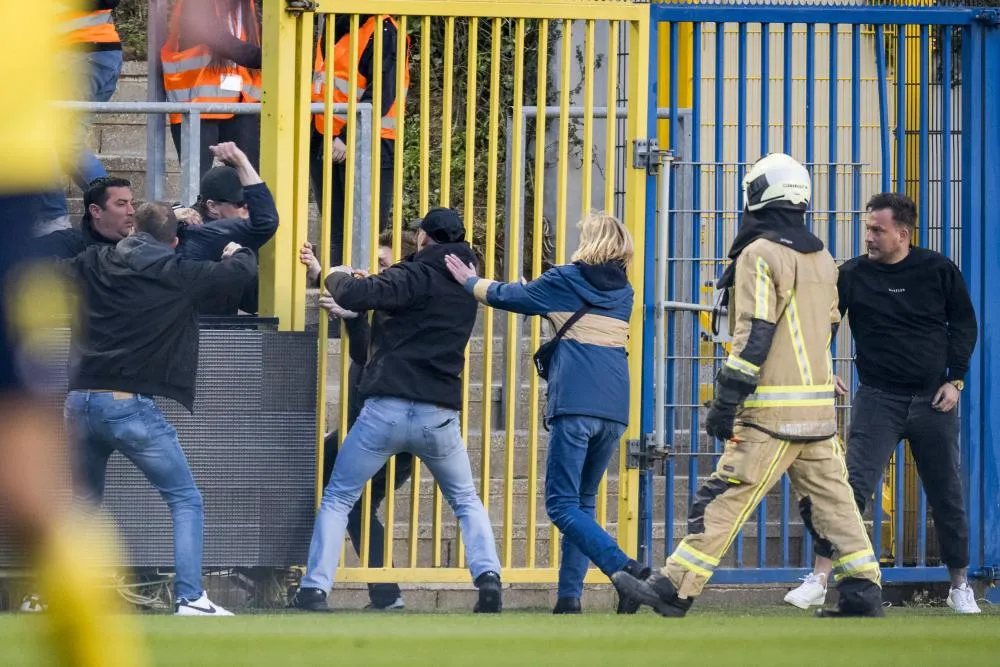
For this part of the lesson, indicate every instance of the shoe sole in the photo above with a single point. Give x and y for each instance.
(805, 605)
(636, 589)
(964, 613)
(489, 600)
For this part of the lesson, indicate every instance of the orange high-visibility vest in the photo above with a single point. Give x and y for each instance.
(96, 27)
(188, 75)
(341, 78)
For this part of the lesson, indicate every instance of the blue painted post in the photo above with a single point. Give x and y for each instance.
(883, 108)
(671, 393)
(901, 108)
(786, 144)
(765, 122)
(696, 243)
(810, 110)
(831, 216)
(855, 140)
(649, 304)
(924, 217)
(946, 46)
(741, 158)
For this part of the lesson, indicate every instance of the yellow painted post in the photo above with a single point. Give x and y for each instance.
(513, 247)
(284, 112)
(537, 241)
(635, 217)
(562, 178)
(685, 73)
(470, 189)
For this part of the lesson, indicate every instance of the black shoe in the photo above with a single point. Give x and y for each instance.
(309, 599)
(629, 605)
(859, 598)
(657, 592)
(567, 606)
(877, 612)
(489, 602)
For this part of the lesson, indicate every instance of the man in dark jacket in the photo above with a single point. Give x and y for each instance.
(235, 206)
(139, 339)
(108, 217)
(413, 391)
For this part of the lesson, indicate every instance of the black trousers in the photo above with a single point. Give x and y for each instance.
(381, 595)
(879, 420)
(338, 186)
(241, 129)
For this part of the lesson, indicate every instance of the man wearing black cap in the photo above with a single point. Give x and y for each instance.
(235, 206)
(412, 390)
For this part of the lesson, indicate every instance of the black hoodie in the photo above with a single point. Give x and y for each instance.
(420, 327)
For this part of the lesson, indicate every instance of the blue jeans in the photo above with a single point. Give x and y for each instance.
(99, 424)
(385, 427)
(579, 451)
(103, 69)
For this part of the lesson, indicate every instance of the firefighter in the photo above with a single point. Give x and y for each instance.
(774, 403)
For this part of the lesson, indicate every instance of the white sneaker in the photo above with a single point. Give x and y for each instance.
(812, 592)
(33, 604)
(200, 607)
(963, 600)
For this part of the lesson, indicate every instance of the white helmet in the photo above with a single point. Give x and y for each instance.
(776, 178)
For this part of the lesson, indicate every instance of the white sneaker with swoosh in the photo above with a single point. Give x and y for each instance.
(200, 607)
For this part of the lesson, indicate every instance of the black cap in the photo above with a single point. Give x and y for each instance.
(222, 184)
(444, 225)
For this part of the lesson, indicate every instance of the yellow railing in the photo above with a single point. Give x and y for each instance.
(424, 546)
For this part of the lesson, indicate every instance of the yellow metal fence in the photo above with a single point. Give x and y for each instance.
(448, 153)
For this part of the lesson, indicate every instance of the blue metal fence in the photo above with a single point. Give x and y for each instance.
(831, 86)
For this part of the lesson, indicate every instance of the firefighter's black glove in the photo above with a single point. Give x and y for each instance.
(731, 387)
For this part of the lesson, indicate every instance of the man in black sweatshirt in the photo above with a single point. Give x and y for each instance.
(914, 330)
(138, 338)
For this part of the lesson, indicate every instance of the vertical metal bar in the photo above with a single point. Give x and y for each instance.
(786, 144)
(537, 241)
(696, 243)
(610, 143)
(561, 185)
(156, 156)
(923, 159)
(446, 105)
(719, 118)
(946, 138)
(190, 156)
(741, 159)
(765, 128)
(471, 100)
(855, 139)
(324, 261)
(883, 106)
(491, 219)
(425, 119)
(666, 250)
(922, 528)
(901, 108)
(898, 510)
(513, 259)
(810, 110)
(660, 324)
(877, 518)
(832, 152)
(587, 167)
(402, 63)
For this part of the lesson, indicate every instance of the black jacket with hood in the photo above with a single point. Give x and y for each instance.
(139, 325)
(420, 328)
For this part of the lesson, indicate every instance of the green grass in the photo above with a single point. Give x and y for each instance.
(767, 637)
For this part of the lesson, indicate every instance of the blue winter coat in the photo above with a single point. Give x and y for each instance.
(588, 374)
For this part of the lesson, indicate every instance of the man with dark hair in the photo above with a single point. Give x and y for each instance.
(914, 329)
(108, 213)
(141, 341)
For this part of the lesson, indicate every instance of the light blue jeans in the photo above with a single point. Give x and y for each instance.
(99, 424)
(385, 427)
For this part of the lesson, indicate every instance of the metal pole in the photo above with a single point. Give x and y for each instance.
(362, 232)
(156, 159)
(190, 157)
(660, 295)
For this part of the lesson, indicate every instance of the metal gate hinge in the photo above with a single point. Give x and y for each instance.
(299, 6)
(990, 17)
(647, 155)
(643, 453)
(987, 572)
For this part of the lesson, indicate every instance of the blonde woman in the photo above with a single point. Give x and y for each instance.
(588, 388)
